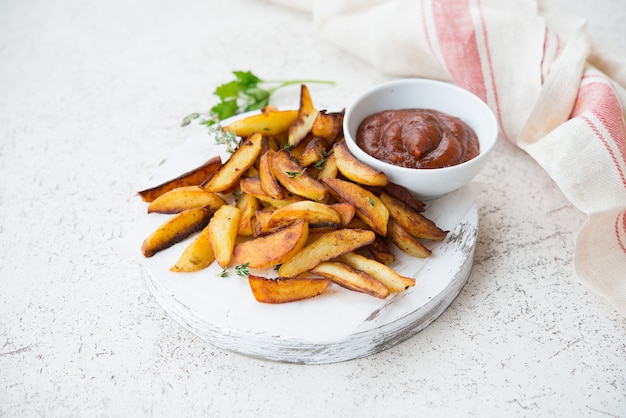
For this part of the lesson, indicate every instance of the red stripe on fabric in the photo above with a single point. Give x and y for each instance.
(457, 40)
(599, 98)
(492, 79)
(606, 145)
(619, 232)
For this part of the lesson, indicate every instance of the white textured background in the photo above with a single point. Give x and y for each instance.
(91, 98)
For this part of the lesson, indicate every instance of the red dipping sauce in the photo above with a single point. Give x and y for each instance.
(417, 138)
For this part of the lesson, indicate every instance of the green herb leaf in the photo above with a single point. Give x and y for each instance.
(294, 174)
(372, 202)
(187, 120)
(224, 138)
(223, 273)
(320, 163)
(243, 94)
(242, 269)
(247, 78)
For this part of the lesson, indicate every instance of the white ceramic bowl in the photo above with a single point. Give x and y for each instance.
(425, 94)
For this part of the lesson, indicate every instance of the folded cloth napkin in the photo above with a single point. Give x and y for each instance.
(554, 93)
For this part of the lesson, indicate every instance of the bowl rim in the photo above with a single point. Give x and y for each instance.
(490, 142)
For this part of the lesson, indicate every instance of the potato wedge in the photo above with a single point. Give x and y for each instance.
(345, 210)
(252, 185)
(329, 168)
(403, 194)
(269, 184)
(176, 229)
(271, 122)
(248, 205)
(306, 116)
(380, 251)
(183, 198)
(357, 223)
(259, 222)
(411, 220)
(285, 290)
(294, 177)
(272, 249)
(315, 213)
(385, 274)
(355, 169)
(268, 143)
(352, 279)
(330, 245)
(405, 241)
(191, 178)
(197, 256)
(223, 230)
(328, 126)
(314, 152)
(369, 208)
(297, 151)
(228, 175)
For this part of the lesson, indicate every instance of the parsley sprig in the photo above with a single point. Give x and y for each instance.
(245, 93)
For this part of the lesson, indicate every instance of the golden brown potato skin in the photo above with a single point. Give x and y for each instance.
(191, 178)
(330, 245)
(272, 249)
(176, 229)
(285, 290)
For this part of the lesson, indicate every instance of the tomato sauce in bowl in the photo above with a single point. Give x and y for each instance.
(417, 138)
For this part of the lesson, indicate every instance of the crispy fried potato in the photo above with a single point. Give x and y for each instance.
(368, 207)
(271, 122)
(330, 245)
(197, 256)
(313, 153)
(252, 185)
(191, 178)
(269, 184)
(355, 169)
(357, 223)
(405, 241)
(223, 230)
(228, 175)
(176, 229)
(380, 251)
(329, 168)
(306, 116)
(328, 126)
(411, 220)
(263, 218)
(315, 213)
(294, 178)
(403, 194)
(272, 249)
(296, 152)
(352, 279)
(345, 210)
(183, 198)
(284, 290)
(394, 281)
(248, 205)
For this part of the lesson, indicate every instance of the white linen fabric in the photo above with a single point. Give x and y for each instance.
(555, 95)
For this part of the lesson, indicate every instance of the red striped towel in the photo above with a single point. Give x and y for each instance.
(553, 94)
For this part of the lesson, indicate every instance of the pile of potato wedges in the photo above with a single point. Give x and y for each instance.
(303, 205)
